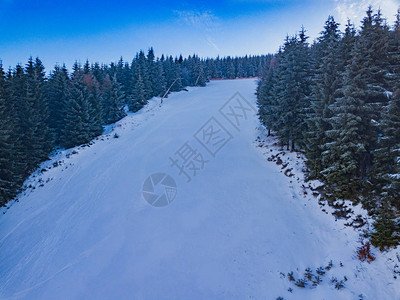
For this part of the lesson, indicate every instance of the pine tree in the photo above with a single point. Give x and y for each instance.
(267, 92)
(18, 107)
(36, 141)
(326, 82)
(346, 46)
(8, 178)
(349, 146)
(176, 76)
(77, 72)
(354, 135)
(159, 81)
(80, 125)
(386, 229)
(86, 67)
(98, 73)
(142, 71)
(94, 94)
(154, 76)
(387, 155)
(230, 72)
(293, 94)
(138, 97)
(239, 69)
(57, 97)
(113, 100)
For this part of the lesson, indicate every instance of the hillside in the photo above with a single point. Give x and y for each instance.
(235, 230)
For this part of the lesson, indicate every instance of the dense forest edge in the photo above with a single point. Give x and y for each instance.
(40, 113)
(338, 101)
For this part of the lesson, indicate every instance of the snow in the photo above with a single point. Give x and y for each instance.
(388, 94)
(82, 230)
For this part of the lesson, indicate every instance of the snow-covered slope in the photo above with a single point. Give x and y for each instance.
(84, 231)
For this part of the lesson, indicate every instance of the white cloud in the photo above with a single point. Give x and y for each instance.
(355, 9)
(203, 20)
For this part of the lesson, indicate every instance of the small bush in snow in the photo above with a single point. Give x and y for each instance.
(321, 271)
(317, 280)
(329, 266)
(301, 283)
(339, 285)
(308, 274)
(364, 252)
(290, 276)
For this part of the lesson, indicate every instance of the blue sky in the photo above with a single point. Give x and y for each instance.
(60, 31)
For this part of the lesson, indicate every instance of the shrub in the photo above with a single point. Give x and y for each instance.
(317, 280)
(386, 231)
(329, 266)
(308, 274)
(290, 276)
(300, 283)
(364, 252)
(339, 285)
(321, 271)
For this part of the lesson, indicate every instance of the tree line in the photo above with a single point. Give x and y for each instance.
(39, 113)
(338, 101)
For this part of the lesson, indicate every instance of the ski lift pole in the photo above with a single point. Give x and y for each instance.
(166, 93)
(197, 80)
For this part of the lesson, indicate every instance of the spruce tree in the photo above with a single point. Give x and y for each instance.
(294, 91)
(18, 108)
(98, 73)
(94, 94)
(350, 123)
(8, 177)
(160, 83)
(138, 97)
(230, 69)
(80, 125)
(57, 97)
(36, 140)
(386, 229)
(325, 83)
(154, 76)
(348, 158)
(346, 46)
(387, 155)
(113, 100)
(141, 70)
(267, 92)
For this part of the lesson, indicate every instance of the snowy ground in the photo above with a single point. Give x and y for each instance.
(82, 229)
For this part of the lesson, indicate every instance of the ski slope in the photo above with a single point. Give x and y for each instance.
(83, 229)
